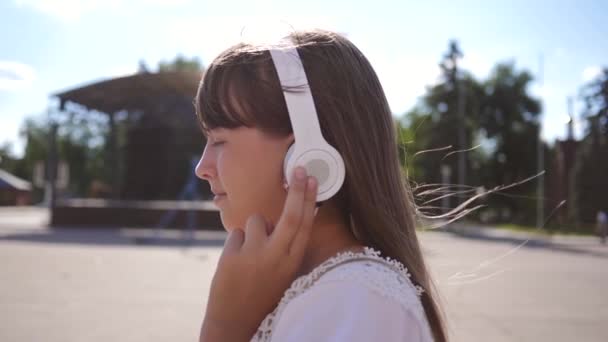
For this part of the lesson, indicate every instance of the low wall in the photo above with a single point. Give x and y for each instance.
(148, 214)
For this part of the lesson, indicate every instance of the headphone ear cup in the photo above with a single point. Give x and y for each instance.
(325, 163)
(286, 172)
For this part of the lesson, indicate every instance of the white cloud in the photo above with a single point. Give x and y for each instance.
(15, 75)
(71, 10)
(591, 72)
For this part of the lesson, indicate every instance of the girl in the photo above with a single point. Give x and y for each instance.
(350, 270)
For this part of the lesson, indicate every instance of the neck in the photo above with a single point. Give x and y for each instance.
(330, 235)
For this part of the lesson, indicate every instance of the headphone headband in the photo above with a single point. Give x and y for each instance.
(310, 149)
(298, 98)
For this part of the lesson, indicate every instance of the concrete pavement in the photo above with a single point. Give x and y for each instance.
(120, 285)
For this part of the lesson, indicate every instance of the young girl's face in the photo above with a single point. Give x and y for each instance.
(245, 166)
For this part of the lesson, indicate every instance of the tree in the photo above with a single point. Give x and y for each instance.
(460, 113)
(8, 161)
(439, 132)
(412, 137)
(446, 119)
(180, 63)
(589, 183)
(79, 142)
(509, 120)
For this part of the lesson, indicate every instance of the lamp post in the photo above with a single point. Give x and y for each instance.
(540, 190)
(51, 186)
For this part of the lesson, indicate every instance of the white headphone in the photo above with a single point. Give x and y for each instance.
(310, 150)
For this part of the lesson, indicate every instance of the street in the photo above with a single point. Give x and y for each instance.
(120, 285)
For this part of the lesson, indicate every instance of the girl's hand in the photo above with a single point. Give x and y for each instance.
(256, 266)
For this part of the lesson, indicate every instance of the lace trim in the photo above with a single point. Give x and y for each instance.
(303, 283)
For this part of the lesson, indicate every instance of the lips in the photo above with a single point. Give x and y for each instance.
(219, 197)
(218, 194)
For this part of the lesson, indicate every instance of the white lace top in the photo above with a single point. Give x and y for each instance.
(349, 297)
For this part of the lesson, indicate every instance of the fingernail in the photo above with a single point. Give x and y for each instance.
(300, 173)
(316, 211)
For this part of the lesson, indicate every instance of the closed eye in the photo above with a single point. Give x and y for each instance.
(217, 143)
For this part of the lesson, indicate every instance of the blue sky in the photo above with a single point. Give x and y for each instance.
(48, 46)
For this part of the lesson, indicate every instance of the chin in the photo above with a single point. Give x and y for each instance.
(225, 223)
(228, 224)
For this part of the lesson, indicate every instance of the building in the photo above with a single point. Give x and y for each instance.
(14, 190)
(148, 157)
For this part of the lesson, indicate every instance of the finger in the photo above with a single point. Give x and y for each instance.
(300, 242)
(269, 228)
(234, 241)
(255, 231)
(291, 216)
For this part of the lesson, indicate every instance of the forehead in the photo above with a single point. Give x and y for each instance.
(241, 131)
(244, 133)
(217, 130)
(213, 131)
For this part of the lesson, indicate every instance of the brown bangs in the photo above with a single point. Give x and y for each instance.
(241, 88)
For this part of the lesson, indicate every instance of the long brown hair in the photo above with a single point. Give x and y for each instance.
(241, 88)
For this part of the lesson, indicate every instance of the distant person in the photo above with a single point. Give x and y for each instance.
(351, 271)
(602, 225)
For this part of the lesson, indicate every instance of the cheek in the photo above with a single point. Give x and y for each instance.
(239, 183)
(269, 195)
(254, 185)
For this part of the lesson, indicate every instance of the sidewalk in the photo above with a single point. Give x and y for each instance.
(475, 230)
(84, 284)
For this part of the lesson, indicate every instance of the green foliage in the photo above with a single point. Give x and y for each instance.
(411, 139)
(438, 122)
(36, 147)
(79, 142)
(497, 113)
(590, 181)
(509, 117)
(8, 161)
(181, 63)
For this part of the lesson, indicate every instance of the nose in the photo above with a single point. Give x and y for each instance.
(205, 169)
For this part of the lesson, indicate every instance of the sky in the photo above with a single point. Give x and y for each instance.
(50, 46)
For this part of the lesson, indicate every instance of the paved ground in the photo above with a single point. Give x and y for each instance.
(115, 285)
